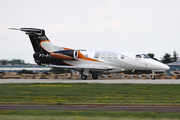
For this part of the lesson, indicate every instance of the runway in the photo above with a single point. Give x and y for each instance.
(92, 107)
(105, 81)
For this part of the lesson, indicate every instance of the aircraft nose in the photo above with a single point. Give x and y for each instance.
(165, 67)
(158, 66)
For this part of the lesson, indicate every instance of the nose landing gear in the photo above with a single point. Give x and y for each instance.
(153, 76)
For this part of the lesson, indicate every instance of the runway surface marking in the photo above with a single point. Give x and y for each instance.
(107, 81)
(92, 107)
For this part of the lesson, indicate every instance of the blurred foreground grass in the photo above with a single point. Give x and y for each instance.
(90, 93)
(85, 115)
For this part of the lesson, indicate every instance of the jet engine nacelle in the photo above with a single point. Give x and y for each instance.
(65, 54)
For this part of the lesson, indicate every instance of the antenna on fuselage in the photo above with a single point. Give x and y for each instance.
(14, 28)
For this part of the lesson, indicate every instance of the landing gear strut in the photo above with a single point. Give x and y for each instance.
(153, 76)
(95, 76)
(84, 74)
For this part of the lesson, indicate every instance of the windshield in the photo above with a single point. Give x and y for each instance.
(145, 56)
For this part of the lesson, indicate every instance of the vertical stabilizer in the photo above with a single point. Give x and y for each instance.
(38, 39)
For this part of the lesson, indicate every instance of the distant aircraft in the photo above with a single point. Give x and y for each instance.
(88, 62)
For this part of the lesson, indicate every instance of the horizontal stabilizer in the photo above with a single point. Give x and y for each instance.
(38, 39)
(30, 30)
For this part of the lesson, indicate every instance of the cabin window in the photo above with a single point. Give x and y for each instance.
(138, 56)
(122, 56)
(86, 55)
(109, 56)
(116, 56)
(103, 56)
(96, 56)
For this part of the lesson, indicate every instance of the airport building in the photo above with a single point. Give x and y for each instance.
(17, 68)
(174, 67)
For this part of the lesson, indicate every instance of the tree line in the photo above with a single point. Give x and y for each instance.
(12, 62)
(166, 58)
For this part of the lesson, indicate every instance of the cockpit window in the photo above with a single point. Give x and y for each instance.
(138, 56)
(145, 56)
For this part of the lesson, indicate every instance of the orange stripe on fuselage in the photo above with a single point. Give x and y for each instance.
(45, 41)
(41, 45)
(81, 56)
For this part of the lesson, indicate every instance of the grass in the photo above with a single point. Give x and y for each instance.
(89, 115)
(59, 93)
(73, 118)
(90, 93)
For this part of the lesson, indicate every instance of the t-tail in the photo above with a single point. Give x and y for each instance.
(45, 51)
(38, 39)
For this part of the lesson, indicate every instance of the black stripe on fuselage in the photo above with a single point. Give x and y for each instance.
(45, 58)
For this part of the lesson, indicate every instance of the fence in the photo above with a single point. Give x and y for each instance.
(78, 76)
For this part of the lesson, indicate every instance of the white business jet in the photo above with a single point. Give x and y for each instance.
(88, 62)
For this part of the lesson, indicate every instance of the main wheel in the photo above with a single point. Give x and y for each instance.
(153, 77)
(95, 76)
(83, 77)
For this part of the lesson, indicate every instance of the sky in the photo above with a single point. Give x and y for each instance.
(147, 26)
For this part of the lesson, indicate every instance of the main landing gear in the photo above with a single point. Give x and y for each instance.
(85, 74)
(94, 76)
(83, 77)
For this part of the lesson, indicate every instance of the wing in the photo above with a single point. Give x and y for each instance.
(94, 68)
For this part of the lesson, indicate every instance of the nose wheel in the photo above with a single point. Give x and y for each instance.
(153, 77)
